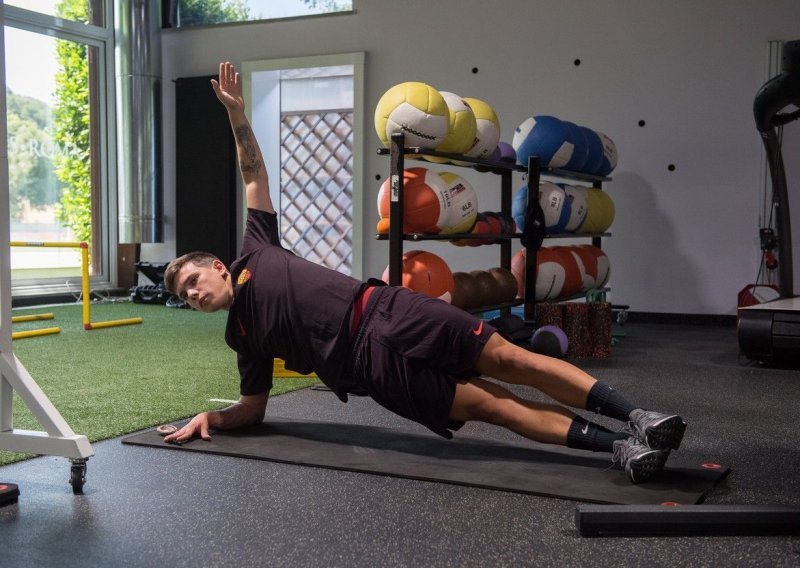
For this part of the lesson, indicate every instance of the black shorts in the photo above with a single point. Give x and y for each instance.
(411, 350)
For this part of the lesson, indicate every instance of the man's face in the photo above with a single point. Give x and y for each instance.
(205, 288)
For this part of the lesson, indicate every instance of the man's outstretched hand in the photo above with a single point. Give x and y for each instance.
(196, 427)
(229, 88)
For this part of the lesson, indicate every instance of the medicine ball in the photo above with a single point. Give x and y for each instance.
(580, 148)
(506, 284)
(426, 201)
(544, 136)
(486, 287)
(426, 273)
(465, 291)
(550, 340)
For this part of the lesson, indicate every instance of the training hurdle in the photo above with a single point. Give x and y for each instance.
(33, 332)
(88, 324)
(32, 317)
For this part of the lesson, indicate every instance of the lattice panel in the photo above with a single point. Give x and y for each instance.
(317, 186)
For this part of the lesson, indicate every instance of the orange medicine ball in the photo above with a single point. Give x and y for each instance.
(426, 273)
(550, 273)
(573, 283)
(603, 265)
(587, 263)
(426, 201)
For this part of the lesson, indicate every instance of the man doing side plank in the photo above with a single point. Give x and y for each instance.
(417, 356)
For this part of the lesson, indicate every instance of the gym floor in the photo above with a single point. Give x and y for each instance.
(151, 507)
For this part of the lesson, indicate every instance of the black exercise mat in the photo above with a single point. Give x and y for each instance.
(553, 472)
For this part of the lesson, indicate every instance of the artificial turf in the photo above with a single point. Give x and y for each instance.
(113, 381)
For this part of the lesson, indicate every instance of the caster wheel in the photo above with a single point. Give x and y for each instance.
(77, 476)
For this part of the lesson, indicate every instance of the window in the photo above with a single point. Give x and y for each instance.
(57, 142)
(184, 13)
(83, 11)
(306, 114)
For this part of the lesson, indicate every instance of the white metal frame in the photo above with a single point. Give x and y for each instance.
(57, 438)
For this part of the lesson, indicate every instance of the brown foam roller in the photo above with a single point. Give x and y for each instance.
(549, 314)
(576, 326)
(600, 324)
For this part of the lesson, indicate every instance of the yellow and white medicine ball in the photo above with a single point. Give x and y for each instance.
(594, 211)
(608, 211)
(463, 204)
(416, 109)
(463, 125)
(487, 133)
(600, 211)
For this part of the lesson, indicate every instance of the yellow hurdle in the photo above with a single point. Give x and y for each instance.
(35, 332)
(88, 324)
(279, 370)
(32, 317)
(87, 316)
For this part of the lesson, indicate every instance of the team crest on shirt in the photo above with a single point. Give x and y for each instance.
(244, 276)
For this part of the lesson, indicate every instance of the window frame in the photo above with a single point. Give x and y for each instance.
(357, 60)
(174, 25)
(101, 38)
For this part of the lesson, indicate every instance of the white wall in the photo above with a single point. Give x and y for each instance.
(684, 241)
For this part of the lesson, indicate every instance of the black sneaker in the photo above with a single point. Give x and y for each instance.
(656, 430)
(639, 461)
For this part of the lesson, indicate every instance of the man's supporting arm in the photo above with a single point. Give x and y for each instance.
(248, 411)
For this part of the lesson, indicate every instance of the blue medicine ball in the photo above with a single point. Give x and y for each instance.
(550, 340)
(543, 136)
(595, 160)
(580, 148)
(554, 202)
(609, 155)
(518, 205)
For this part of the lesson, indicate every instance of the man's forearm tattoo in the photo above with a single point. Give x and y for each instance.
(250, 161)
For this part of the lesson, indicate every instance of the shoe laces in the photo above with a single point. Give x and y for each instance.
(625, 450)
(632, 428)
(638, 427)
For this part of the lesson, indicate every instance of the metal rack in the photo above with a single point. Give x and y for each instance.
(396, 237)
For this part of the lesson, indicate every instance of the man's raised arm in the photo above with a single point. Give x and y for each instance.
(251, 164)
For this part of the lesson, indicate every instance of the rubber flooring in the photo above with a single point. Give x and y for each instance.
(150, 507)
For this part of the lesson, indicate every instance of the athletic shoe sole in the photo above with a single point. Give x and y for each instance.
(665, 434)
(645, 465)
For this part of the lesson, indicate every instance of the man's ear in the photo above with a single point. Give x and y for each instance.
(219, 266)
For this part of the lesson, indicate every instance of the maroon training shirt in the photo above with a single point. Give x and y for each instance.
(285, 306)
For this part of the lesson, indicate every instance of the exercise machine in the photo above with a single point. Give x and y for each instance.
(770, 332)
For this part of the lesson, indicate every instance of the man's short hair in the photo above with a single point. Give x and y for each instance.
(198, 258)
